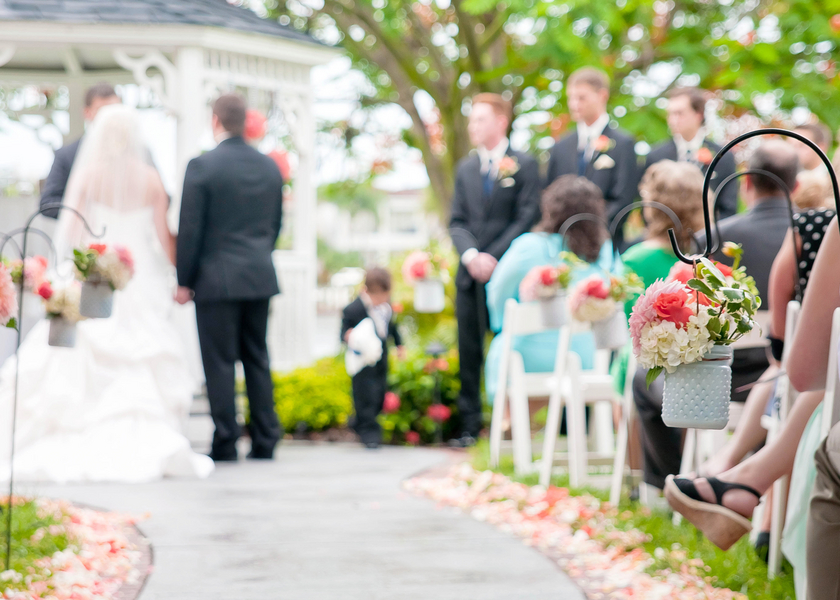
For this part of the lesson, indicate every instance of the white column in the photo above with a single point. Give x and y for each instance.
(76, 109)
(192, 115)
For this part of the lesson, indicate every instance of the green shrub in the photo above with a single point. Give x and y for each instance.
(314, 398)
(413, 380)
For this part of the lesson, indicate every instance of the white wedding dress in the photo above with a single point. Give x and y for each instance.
(112, 408)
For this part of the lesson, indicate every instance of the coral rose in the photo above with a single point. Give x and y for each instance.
(392, 403)
(595, 287)
(673, 307)
(412, 437)
(548, 276)
(98, 248)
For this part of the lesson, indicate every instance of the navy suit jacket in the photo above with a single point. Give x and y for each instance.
(727, 202)
(619, 183)
(56, 182)
(496, 220)
(231, 213)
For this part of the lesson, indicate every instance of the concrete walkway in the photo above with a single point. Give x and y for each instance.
(322, 522)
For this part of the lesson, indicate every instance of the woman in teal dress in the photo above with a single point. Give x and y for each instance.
(567, 196)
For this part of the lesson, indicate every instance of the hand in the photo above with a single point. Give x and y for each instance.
(482, 266)
(401, 352)
(183, 295)
(347, 335)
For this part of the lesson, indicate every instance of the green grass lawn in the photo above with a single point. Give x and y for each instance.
(35, 534)
(739, 569)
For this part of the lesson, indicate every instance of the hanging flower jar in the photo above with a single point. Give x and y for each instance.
(547, 285)
(102, 270)
(601, 304)
(685, 327)
(427, 272)
(62, 308)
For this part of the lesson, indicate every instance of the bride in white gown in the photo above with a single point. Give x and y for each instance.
(112, 408)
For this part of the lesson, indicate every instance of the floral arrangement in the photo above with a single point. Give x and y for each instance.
(99, 263)
(8, 298)
(593, 299)
(508, 167)
(545, 282)
(677, 321)
(423, 264)
(64, 303)
(35, 270)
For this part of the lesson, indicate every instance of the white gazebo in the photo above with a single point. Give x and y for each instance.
(187, 52)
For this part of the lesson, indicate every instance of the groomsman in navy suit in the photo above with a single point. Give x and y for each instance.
(597, 150)
(686, 117)
(497, 199)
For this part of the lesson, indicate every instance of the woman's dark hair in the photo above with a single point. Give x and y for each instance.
(570, 195)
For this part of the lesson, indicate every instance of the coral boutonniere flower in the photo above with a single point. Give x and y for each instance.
(604, 144)
(508, 167)
(704, 156)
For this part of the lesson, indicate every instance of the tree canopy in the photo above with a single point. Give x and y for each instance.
(757, 56)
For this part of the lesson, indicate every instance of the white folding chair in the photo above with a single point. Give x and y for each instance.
(831, 410)
(628, 412)
(579, 388)
(513, 381)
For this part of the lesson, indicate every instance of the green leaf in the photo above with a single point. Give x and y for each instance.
(715, 277)
(733, 294)
(714, 325)
(744, 326)
(652, 374)
(700, 286)
(12, 324)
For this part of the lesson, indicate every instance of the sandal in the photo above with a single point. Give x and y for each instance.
(722, 526)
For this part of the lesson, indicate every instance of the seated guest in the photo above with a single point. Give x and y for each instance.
(566, 197)
(679, 186)
(686, 120)
(760, 231)
(814, 185)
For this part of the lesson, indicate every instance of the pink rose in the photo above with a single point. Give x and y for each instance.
(672, 307)
(412, 437)
(595, 287)
(439, 413)
(45, 290)
(548, 276)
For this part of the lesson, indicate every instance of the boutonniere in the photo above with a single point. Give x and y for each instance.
(603, 162)
(604, 144)
(704, 156)
(508, 167)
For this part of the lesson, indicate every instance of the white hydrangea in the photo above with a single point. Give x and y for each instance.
(665, 345)
(65, 303)
(595, 309)
(110, 268)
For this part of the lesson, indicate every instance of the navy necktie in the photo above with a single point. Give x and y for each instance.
(581, 162)
(487, 179)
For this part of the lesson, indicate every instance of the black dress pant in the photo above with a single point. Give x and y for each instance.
(369, 387)
(662, 445)
(473, 321)
(228, 331)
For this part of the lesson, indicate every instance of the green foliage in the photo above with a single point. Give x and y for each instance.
(331, 260)
(739, 569)
(314, 398)
(352, 196)
(414, 380)
(84, 261)
(773, 56)
(27, 547)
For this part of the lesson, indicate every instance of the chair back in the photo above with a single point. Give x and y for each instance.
(831, 412)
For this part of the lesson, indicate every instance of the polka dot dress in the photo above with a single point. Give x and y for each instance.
(811, 226)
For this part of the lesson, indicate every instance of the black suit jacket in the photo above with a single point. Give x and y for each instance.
(727, 203)
(619, 184)
(494, 221)
(231, 212)
(56, 182)
(356, 312)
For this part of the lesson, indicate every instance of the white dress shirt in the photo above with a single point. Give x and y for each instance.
(380, 314)
(587, 134)
(687, 150)
(490, 160)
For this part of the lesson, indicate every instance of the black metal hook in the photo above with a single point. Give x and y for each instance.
(711, 169)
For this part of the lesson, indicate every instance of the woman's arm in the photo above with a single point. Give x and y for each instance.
(781, 288)
(809, 357)
(160, 207)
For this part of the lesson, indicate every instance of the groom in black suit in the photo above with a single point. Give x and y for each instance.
(231, 212)
(497, 199)
(97, 96)
(686, 117)
(604, 154)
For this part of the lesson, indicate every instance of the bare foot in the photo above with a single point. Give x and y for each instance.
(741, 501)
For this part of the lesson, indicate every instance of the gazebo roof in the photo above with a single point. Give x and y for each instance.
(207, 13)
